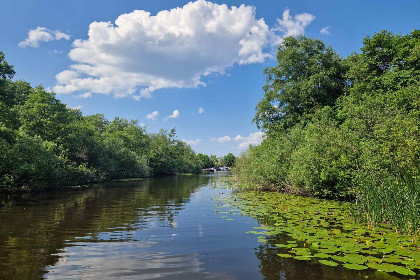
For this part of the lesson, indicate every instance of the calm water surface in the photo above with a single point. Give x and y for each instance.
(166, 228)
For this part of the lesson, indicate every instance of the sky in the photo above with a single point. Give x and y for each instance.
(194, 66)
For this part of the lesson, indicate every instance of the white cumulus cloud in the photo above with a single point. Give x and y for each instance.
(78, 107)
(140, 53)
(174, 115)
(84, 95)
(325, 30)
(42, 34)
(244, 141)
(192, 142)
(153, 116)
(222, 139)
(294, 26)
(252, 139)
(200, 110)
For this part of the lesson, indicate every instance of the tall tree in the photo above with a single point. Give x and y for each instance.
(229, 160)
(308, 75)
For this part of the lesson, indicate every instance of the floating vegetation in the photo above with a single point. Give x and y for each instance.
(324, 231)
(329, 263)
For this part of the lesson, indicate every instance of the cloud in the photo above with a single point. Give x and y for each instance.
(140, 53)
(42, 34)
(85, 95)
(294, 26)
(66, 76)
(153, 116)
(238, 138)
(244, 141)
(222, 139)
(78, 107)
(324, 30)
(192, 142)
(252, 139)
(174, 115)
(200, 110)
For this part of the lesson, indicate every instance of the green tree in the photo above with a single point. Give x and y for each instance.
(204, 160)
(45, 144)
(7, 117)
(229, 160)
(362, 145)
(44, 115)
(214, 161)
(308, 75)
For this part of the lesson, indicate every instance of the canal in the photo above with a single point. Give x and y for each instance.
(155, 228)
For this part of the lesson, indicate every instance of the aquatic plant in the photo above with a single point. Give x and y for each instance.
(324, 231)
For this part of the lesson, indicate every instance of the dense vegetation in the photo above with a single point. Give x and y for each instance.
(343, 128)
(212, 161)
(45, 144)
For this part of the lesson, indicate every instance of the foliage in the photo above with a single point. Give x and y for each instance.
(229, 160)
(204, 161)
(308, 75)
(320, 230)
(45, 144)
(358, 138)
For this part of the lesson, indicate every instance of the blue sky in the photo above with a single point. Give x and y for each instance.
(202, 55)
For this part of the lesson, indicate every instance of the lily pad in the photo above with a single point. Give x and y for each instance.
(404, 271)
(324, 229)
(285, 245)
(386, 267)
(329, 263)
(322, 255)
(354, 266)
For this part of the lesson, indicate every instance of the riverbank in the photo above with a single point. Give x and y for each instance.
(343, 128)
(45, 144)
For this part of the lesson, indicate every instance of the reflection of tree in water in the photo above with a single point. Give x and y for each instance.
(35, 228)
(274, 267)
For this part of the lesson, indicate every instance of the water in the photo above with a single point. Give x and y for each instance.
(166, 228)
(155, 228)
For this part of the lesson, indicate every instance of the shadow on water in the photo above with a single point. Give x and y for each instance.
(36, 228)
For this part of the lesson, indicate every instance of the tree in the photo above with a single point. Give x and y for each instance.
(229, 160)
(44, 115)
(214, 161)
(355, 134)
(309, 75)
(45, 144)
(204, 160)
(6, 70)
(7, 116)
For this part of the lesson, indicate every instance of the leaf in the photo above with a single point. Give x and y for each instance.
(329, 263)
(322, 255)
(354, 266)
(404, 271)
(386, 267)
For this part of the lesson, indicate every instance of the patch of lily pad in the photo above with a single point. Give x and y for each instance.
(327, 262)
(324, 230)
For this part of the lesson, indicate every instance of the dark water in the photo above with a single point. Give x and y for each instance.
(164, 228)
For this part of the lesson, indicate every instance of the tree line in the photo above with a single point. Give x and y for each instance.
(213, 161)
(45, 144)
(343, 128)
